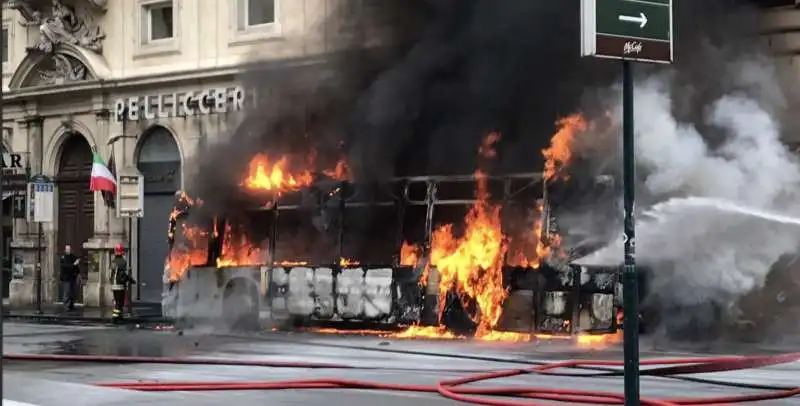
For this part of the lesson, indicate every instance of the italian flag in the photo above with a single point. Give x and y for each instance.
(102, 179)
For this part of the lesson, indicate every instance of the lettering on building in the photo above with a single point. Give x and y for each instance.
(187, 104)
(11, 161)
(167, 177)
(632, 47)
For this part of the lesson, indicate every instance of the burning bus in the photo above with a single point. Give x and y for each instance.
(475, 255)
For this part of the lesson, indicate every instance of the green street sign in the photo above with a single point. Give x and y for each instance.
(639, 30)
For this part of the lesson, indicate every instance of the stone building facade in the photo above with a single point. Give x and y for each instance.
(144, 81)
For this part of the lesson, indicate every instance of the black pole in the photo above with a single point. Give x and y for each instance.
(3, 252)
(273, 234)
(430, 316)
(38, 274)
(630, 289)
(401, 214)
(130, 262)
(342, 215)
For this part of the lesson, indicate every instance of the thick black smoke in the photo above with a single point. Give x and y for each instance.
(450, 72)
(306, 104)
(456, 70)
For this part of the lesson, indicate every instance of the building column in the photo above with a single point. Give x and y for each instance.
(107, 228)
(102, 226)
(36, 142)
(23, 290)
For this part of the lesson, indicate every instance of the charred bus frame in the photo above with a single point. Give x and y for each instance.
(565, 299)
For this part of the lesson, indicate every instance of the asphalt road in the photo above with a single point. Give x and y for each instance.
(71, 383)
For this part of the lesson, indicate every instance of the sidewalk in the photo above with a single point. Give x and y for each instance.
(142, 313)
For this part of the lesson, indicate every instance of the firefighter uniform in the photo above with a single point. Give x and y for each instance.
(120, 280)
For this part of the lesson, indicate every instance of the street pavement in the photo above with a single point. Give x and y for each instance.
(56, 313)
(401, 362)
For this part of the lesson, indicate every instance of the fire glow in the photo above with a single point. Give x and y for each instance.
(275, 176)
(469, 263)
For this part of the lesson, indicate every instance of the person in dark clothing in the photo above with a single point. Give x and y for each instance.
(120, 279)
(69, 277)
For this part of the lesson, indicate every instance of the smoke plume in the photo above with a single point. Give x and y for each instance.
(712, 127)
(451, 72)
(454, 70)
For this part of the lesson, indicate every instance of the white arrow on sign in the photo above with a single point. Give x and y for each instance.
(641, 20)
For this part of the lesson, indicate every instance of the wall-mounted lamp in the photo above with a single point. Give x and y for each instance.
(115, 138)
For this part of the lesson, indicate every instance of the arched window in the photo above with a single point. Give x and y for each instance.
(158, 145)
(159, 160)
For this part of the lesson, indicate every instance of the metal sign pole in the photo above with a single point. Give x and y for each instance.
(130, 200)
(3, 252)
(129, 294)
(630, 288)
(38, 275)
(40, 209)
(632, 31)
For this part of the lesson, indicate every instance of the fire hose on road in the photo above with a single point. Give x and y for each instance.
(453, 388)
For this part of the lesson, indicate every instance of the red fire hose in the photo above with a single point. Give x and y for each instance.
(453, 388)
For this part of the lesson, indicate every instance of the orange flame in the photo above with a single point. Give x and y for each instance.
(272, 176)
(429, 332)
(341, 171)
(263, 174)
(598, 341)
(182, 200)
(409, 254)
(470, 263)
(238, 251)
(343, 262)
(473, 263)
(346, 262)
(191, 250)
(559, 153)
(291, 263)
(266, 175)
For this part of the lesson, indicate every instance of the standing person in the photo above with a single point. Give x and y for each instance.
(120, 278)
(69, 276)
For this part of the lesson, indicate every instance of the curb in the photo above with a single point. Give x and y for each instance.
(84, 319)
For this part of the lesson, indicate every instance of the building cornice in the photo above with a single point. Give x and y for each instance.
(88, 87)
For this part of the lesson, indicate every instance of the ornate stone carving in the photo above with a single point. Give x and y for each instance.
(99, 4)
(28, 8)
(60, 23)
(63, 69)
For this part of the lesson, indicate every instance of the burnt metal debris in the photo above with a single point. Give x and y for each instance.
(562, 298)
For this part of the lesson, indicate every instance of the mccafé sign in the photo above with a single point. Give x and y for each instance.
(187, 104)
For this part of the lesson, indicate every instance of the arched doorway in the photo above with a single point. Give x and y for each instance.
(159, 160)
(75, 200)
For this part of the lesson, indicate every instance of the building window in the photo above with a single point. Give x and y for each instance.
(158, 22)
(5, 44)
(255, 14)
(260, 12)
(254, 20)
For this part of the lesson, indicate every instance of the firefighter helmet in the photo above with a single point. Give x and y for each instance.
(119, 249)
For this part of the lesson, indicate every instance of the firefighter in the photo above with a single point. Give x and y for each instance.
(120, 279)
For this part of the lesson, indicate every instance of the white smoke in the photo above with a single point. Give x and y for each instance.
(706, 250)
(709, 237)
(751, 166)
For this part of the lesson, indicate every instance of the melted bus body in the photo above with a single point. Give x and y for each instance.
(304, 280)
